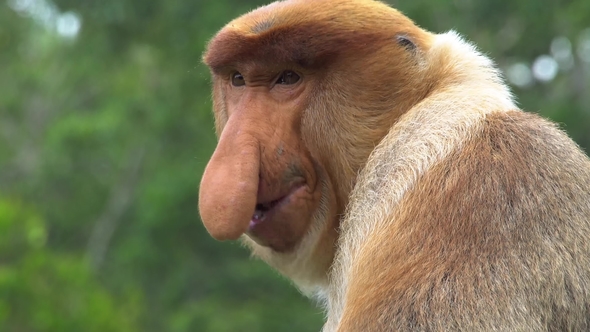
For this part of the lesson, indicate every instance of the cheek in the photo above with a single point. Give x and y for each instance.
(219, 108)
(220, 121)
(330, 146)
(324, 124)
(316, 133)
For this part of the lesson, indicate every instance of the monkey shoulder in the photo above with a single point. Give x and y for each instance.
(502, 222)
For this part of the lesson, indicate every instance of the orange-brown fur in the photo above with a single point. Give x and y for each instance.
(495, 237)
(416, 196)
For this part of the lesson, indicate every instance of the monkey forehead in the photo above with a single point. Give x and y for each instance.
(346, 13)
(307, 33)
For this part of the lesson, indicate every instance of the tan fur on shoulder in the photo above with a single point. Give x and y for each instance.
(482, 241)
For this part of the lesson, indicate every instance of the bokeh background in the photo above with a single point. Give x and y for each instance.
(105, 129)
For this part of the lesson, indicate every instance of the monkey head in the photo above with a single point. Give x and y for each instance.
(301, 96)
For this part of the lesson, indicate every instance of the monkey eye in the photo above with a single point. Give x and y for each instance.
(237, 79)
(288, 77)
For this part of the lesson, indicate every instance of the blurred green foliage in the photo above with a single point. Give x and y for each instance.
(45, 290)
(106, 129)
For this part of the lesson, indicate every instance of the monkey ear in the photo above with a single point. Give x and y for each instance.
(404, 41)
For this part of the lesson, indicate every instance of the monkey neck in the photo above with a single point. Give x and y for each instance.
(413, 144)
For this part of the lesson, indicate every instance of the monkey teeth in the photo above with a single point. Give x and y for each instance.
(258, 215)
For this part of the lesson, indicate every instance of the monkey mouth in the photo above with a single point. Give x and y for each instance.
(282, 216)
(264, 211)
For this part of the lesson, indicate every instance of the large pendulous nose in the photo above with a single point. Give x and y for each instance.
(227, 195)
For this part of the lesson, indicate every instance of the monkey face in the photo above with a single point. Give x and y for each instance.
(299, 103)
(387, 170)
(261, 180)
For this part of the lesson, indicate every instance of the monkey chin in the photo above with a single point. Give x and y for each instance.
(281, 223)
(307, 262)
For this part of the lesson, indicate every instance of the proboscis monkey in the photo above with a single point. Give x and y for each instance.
(387, 171)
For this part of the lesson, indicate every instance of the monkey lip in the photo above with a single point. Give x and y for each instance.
(265, 211)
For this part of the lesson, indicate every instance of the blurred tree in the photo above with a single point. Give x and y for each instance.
(44, 290)
(105, 129)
